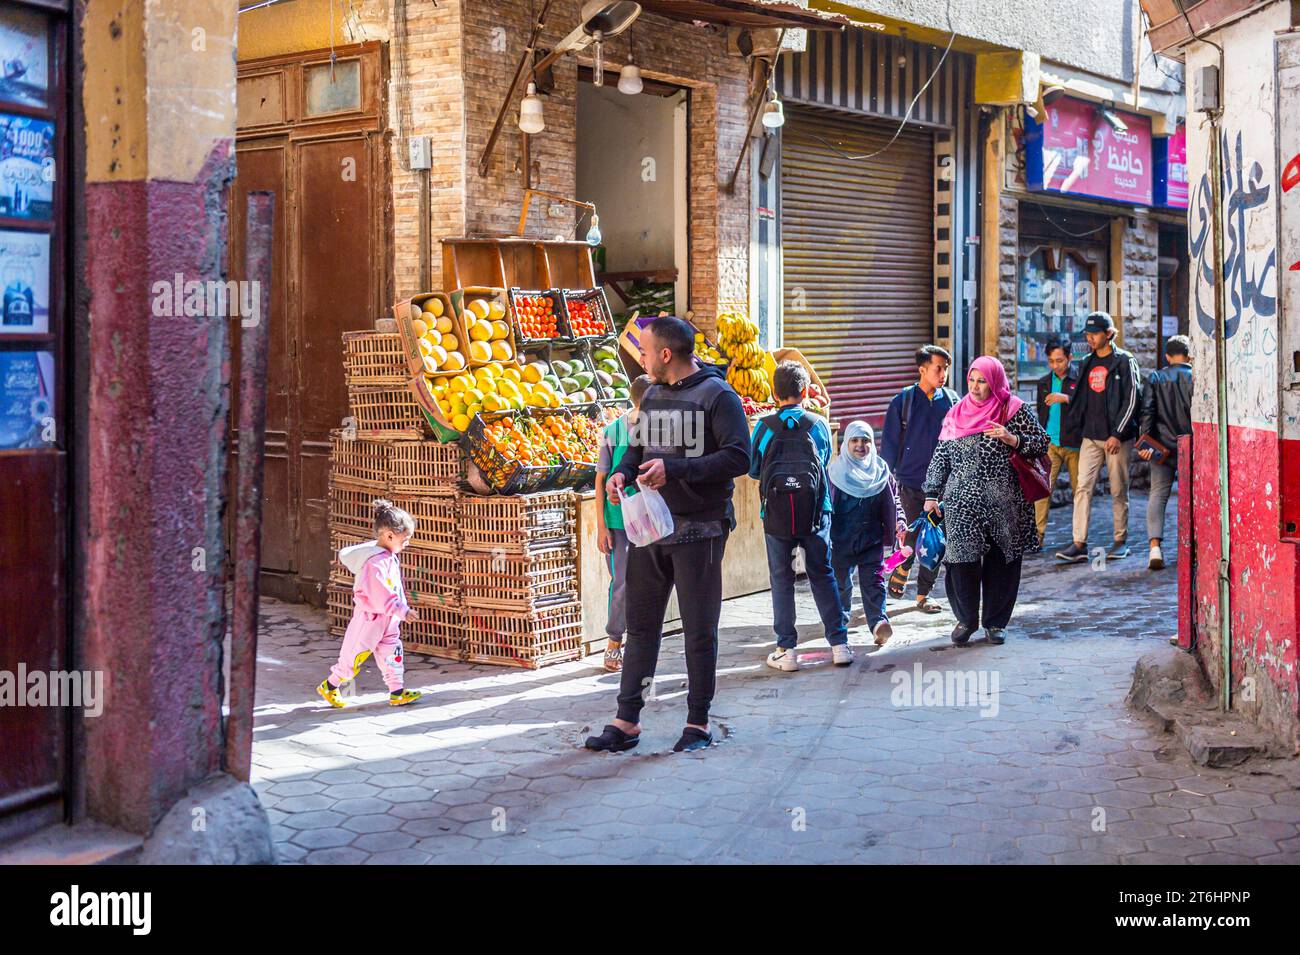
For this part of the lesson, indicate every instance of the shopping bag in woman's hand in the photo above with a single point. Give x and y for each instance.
(646, 517)
(930, 540)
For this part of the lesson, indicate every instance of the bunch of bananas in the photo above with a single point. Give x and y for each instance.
(747, 372)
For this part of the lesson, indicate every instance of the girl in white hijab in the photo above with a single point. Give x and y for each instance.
(865, 517)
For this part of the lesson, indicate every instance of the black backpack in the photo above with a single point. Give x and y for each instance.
(792, 479)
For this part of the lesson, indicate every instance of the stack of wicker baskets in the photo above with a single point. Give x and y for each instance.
(521, 583)
(381, 453)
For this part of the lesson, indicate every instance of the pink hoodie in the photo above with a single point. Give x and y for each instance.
(377, 594)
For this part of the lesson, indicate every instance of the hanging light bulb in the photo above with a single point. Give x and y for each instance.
(593, 234)
(773, 113)
(598, 76)
(530, 112)
(629, 77)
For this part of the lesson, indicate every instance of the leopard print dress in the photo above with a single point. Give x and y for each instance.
(982, 502)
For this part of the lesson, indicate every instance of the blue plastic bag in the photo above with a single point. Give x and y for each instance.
(930, 541)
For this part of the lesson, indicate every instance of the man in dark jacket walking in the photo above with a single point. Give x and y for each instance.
(910, 436)
(1054, 391)
(689, 442)
(1104, 410)
(1166, 416)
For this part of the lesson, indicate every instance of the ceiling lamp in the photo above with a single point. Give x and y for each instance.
(773, 113)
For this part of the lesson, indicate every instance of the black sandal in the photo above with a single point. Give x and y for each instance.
(898, 581)
(612, 740)
(693, 739)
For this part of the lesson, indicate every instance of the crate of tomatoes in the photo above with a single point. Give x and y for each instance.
(538, 316)
(513, 453)
(587, 314)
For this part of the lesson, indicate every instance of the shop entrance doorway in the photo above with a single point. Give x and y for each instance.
(309, 131)
(632, 153)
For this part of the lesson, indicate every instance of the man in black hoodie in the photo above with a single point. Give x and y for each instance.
(1103, 409)
(690, 442)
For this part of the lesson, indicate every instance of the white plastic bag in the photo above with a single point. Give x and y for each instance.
(646, 517)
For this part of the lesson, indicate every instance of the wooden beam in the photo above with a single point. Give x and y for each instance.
(990, 233)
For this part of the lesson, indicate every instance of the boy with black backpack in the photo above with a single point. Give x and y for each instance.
(791, 450)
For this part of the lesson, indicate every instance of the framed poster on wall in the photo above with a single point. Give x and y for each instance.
(26, 167)
(24, 57)
(26, 399)
(24, 282)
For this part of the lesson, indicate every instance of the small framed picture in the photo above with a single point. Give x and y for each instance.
(24, 57)
(26, 167)
(26, 399)
(24, 282)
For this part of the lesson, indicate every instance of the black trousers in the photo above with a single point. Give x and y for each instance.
(695, 569)
(913, 501)
(998, 578)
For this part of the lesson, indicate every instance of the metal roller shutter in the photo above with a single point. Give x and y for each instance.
(856, 239)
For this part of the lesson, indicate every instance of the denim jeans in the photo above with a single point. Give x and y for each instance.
(1162, 480)
(871, 582)
(780, 567)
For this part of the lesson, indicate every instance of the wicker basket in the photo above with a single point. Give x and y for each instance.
(360, 463)
(338, 604)
(386, 414)
(433, 577)
(515, 525)
(436, 522)
(373, 359)
(520, 583)
(437, 631)
(424, 467)
(530, 640)
(352, 511)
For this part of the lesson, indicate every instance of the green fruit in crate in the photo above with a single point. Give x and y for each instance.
(611, 366)
(605, 378)
(560, 368)
(554, 382)
(569, 385)
(619, 380)
(584, 379)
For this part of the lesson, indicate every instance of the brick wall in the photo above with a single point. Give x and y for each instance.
(426, 98)
(1008, 283)
(686, 55)
(1141, 253)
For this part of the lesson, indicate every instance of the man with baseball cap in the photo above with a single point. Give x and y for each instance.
(1103, 410)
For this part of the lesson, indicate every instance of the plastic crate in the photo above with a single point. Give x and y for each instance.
(502, 474)
(579, 352)
(595, 299)
(557, 306)
(521, 582)
(530, 640)
(576, 474)
(519, 523)
(373, 359)
(386, 414)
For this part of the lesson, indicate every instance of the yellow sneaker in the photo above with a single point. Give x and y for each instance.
(330, 694)
(403, 698)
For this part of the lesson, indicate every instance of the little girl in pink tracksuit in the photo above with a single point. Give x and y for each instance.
(379, 607)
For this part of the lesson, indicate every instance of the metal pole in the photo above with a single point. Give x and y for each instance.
(248, 495)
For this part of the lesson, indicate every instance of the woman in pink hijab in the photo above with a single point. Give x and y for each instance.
(988, 523)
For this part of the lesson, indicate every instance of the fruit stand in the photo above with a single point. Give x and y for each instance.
(481, 415)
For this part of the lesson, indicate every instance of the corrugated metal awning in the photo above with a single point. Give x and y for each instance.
(755, 14)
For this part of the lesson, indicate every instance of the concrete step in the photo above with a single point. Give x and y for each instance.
(86, 844)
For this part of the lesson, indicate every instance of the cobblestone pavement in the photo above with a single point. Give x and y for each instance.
(815, 766)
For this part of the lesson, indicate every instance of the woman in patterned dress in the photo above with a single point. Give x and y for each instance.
(988, 523)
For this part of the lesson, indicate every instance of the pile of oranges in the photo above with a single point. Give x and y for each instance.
(519, 438)
(535, 316)
(572, 438)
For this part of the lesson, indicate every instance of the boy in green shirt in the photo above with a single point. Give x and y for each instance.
(610, 537)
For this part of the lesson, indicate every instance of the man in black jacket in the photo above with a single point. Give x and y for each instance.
(1054, 391)
(689, 442)
(1104, 410)
(1166, 416)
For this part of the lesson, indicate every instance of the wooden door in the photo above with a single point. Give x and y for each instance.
(35, 363)
(315, 144)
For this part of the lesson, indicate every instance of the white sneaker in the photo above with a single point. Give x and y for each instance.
(1157, 559)
(842, 655)
(883, 631)
(780, 659)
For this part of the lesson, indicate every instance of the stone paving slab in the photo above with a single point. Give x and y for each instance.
(823, 765)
